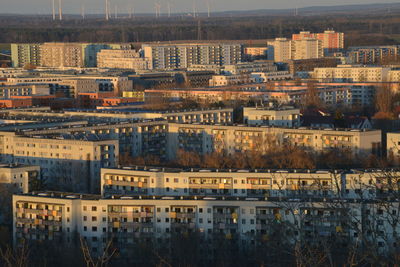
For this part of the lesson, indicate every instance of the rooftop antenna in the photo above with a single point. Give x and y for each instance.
(60, 9)
(208, 8)
(54, 10)
(296, 11)
(116, 11)
(169, 9)
(107, 10)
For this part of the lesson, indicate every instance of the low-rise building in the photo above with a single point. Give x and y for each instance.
(281, 116)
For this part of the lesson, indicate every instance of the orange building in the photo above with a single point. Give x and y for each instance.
(331, 41)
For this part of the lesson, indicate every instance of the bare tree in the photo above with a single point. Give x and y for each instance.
(103, 260)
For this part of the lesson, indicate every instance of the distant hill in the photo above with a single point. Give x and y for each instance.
(311, 10)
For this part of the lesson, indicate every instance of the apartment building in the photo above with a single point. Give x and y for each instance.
(76, 55)
(58, 216)
(256, 53)
(225, 80)
(349, 73)
(307, 48)
(373, 54)
(249, 67)
(204, 139)
(282, 49)
(263, 77)
(24, 54)
(271, 116)
(178, 56)
(62, 55)
(285, 49)
(153, 181)
(23, 89)
(122, 59)
(310, 64)
(200, 116)
(331, 41)
(19, 177)
(65, 160)
(347, 95)
(240, 183)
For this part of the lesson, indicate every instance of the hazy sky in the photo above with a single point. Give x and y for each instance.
(142, 6)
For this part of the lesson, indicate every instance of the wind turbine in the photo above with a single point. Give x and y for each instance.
(194, 8)
(83, 10)
(60, 9)
(169, 9)
(54, 10)
(208, 8)
(158, 9)
(107, 17)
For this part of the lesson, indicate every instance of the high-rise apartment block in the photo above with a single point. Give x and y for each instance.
(177, 56)
(62, 55)
(331, 41)
(76, 55)
(285, 49)
(24, 54)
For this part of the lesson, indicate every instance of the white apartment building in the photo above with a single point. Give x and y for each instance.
(205, 139)
(306, 49)
(19, 176)
(262, 77)
(122, 59)
(249, 67)
(282, 49)
(60, 216)
(70, 159)
(285, 49)
(284, 116)
(177, 56)
(351, 73)
(225, 80)
(239, 183)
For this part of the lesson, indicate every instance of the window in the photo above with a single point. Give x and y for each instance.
(94, 208)
(84, 228)
(166, 209)
(84, 218)
(94, 218)
(94, 228)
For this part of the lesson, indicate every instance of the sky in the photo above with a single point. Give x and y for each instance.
(146, 6)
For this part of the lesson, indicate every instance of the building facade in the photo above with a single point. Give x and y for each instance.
(178, 56)
(25, 54)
